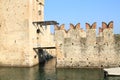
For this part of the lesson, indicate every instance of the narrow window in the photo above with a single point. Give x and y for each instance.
(39, 12)
(72, 43)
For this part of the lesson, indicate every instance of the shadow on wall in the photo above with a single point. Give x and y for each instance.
(43, 56)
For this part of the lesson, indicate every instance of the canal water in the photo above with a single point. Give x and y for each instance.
(49, 72)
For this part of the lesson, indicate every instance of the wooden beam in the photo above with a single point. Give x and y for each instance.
(45, 48)
(45, 23)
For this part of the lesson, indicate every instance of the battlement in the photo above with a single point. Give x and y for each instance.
(78, 48)
(106, 26)
(89, 28)
(93, 26)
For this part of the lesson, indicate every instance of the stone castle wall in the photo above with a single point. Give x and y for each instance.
(77, 48)
(74, 48)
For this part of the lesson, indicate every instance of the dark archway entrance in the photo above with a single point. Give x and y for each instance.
(43, 55)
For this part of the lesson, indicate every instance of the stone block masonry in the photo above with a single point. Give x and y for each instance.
(18, 35)
(77, 48)
(74, 48)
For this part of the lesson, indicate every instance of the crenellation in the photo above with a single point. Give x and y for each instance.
(100, 29)
(77, 26)
(91, 34)
(61, 27)
(93, 26)
(94, 50)
(104, 25)
(107, 26)
(75, 47)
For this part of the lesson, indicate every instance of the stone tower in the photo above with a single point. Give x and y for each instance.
(17, 33)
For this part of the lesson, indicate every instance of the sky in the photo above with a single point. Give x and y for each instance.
(82, 11)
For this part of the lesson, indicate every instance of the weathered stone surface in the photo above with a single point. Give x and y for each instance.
(74, 48)
(89, 51)
(18, 35)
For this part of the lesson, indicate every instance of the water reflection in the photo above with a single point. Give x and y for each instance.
(49, 72)
(80, 74)
(113, 78)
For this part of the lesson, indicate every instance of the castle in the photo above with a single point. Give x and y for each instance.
(18, 34)
(22, 35)
(77, 48)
